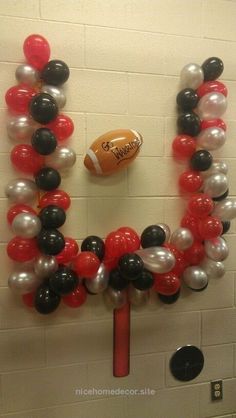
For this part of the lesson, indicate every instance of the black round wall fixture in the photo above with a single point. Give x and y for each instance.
(186, 363)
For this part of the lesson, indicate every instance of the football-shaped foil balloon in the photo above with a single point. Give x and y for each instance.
(113, 151)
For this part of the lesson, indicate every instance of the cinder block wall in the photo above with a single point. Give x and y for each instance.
(125, 57)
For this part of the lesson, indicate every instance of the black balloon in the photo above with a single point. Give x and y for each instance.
(226, 226)
(212, 68)
(52, 216)
(95, 245)
(201, 160)
(116, 281)
(222, 197)
(189, 124)
(63, 281)
(144, 281)
(44, 141)
(187, 99)
(153, 236)
(46, 300)
(130, 266)
(47, 178)
(55, 72)
(169, 299)
(50, 241)
(43, 108)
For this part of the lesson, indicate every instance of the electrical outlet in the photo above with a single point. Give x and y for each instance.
(216, 390)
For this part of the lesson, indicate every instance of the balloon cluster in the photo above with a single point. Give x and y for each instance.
(40, 249)
(201, 103)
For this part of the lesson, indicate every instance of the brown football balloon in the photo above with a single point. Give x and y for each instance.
(113, 151)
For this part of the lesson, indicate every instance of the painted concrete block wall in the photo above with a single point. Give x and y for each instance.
(125, 57)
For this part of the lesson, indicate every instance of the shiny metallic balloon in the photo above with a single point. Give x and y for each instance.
(182, 238)
(216, 249)
(57, 93)
(195, 278)
(213, 269)
(115, 299)
(215, 185)
(100, 282)
(26, 74)
(20, 127)
(26, 225)
(211, 138)
(212, 106)
(61, 158)
(191, 76)
(216, 167)
(45, 265)
(166, 228)
(138, 297)
(157, 259)
(225, 210)
(21, 190)
(23, 281)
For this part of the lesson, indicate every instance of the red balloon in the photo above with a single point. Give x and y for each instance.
(190, 181)
(86, 264)
(62, 127)
(18, 98)
(37, 51)
(210, 227)
(110, 263)
(55, 197)
(22, 249)
(76, 298)
(132, 238)
(16, 209)
(180, 262)
(28, 299)
(191, 222)
(183, 147)
(26, 159)
(212, 86)
(166, 284)
(195, 254)
(69, 252)
(219, 123)
(115, 245)
(200, 205)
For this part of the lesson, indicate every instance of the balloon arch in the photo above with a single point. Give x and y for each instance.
(49, 268)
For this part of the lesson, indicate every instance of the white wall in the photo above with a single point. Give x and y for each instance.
(125, 58)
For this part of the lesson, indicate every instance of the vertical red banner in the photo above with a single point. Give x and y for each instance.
(121, 341)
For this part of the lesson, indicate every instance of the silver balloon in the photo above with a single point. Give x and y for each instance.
(98, 283)
(213, 269)
(212, 106)
(215, 185)
(211, 138)
(115, 299)
(26, 225)
(216, 167)
(167, 231)
(182, 238)
(21, 190)
(195, 278)
(225, 210)
(27, 75)
(57, 93)
(61, 158)
(45, 265)
(191, 76)
(20, 128)
(23, 281)
(157, 259)
(138, 297)
(216, 249)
